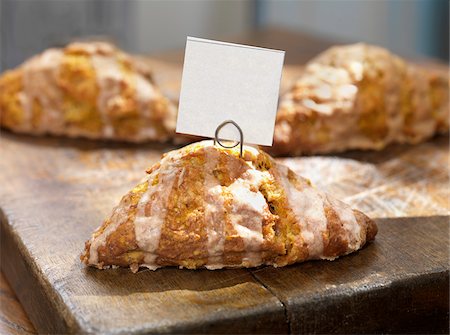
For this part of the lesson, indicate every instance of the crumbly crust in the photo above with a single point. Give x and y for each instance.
(204, 206)
(90, 90)
(360, 97)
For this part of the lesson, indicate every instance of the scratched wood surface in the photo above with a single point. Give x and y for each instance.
(55, 192)
(372, 291)
(403, 180)
(63, 191)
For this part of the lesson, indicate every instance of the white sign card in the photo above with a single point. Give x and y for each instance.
(224, 81)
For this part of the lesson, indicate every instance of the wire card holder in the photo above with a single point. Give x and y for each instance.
(241, 135)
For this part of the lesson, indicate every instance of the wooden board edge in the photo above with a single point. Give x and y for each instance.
(261, 321)
(406, 305)
(46, 314)
(47, 317)
(382, 220)
(389, 313)
(50, 316)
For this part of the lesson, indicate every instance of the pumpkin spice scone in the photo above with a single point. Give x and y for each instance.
(360, 97)
(87, 89)
(204, 206)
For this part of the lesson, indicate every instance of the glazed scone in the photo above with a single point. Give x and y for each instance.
(204, 206)
(87, 89)
(360, 97)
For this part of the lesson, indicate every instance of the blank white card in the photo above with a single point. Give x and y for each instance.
(225, 81)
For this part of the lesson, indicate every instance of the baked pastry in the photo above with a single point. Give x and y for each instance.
(360, 97)
(87, 89)
(204, 206)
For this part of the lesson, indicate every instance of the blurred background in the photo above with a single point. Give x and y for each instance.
(411, 28)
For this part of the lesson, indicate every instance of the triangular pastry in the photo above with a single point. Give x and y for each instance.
(87, 89)
(360, 97)
(204, 206)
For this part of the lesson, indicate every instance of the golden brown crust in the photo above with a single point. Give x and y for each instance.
(233, 244)
(203, 206)
(183, 237)
(120, 247)
(334, 238)
(10, 104)
(88, 90)
(371, 228)
(360, 97)
(292, 248)
(439, 95)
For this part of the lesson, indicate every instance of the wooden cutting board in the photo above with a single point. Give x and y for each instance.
(55, 192)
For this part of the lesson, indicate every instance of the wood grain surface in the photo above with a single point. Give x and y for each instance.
(54, 192)
(398, 284)
(403, 180)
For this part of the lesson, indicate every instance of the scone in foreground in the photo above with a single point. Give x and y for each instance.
(204, 206)
(90, 90)
(360, 97)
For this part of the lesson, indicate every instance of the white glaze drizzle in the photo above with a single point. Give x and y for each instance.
(26, 103)
(119, 216)
(39, 76)
(148, 226)
(392, 83)
(307, 206)
(41, 73)
(247, 214)
(214, 211)
(145, 93)
(109, 76)
(144, 226)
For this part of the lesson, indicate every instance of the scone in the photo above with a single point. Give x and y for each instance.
(88, 89)
(360, 97)
(204, 206)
